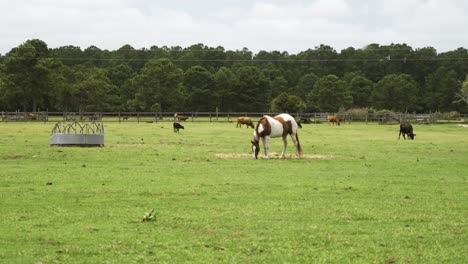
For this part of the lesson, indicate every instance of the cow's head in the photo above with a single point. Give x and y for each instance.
(411, 136)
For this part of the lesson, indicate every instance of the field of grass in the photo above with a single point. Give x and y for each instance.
(376, 199)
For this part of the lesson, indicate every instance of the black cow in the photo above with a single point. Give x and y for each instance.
(406, 129)
(177, 126)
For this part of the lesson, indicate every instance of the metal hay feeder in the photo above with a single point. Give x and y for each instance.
(78, 134)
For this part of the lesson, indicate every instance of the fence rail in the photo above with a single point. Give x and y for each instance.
(150, 117)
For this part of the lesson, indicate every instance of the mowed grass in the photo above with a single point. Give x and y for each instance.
(378, 200)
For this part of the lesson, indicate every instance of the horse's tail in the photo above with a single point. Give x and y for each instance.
(299, 148)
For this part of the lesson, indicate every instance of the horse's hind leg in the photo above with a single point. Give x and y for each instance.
(296, 144)
(285, 144)
(266, 146)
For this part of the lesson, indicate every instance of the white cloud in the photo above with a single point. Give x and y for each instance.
(291, 26)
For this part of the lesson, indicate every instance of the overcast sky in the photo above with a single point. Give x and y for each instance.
(284, 25)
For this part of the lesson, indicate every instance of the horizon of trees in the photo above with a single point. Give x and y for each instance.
(392, 77)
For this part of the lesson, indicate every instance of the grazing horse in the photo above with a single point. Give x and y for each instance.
(281, 125)
(243, 120)
(333, 119)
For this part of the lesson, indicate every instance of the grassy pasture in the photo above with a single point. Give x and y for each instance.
(378, 200)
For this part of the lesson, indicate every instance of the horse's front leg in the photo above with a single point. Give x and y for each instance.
(266, 146)
(285, 144)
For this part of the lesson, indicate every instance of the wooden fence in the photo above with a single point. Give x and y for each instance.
(151, 117)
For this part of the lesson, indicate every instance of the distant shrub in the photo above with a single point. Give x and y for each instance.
(358, 113)
(453, 115)
(384, 112)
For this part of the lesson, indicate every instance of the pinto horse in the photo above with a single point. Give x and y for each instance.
(281, 125)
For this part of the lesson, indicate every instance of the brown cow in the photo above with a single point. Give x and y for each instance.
(181, 117)
(31, 116)
(333, 119)
(243, 120)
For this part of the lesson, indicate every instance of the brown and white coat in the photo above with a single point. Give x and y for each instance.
(268, 127)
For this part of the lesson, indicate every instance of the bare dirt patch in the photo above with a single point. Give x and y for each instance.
(272, 155)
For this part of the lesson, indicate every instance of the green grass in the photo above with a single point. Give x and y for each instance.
(379, 200)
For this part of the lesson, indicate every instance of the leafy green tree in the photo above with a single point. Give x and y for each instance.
(274, 74)
(305, 85)
(421, 63)
(199, 84)
(95, 57)
(329, 95)
(397, 92)
(278, 86)
(440, 90)
(87, 89)
(98, 92)
(159, 84)
(68, 95)
(253, 91)
(118, 77)
(32, 77)
(285, 103)
(361, 90)
(373, 59)
(69, 55)
(395, 58)
(323, 60)
(456, 60)
(135, 59)
(233, 58)
(226, 83)
(28, 75)
(353, 60)
(6, 98)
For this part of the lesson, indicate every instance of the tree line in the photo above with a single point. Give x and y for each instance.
(393, 77)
